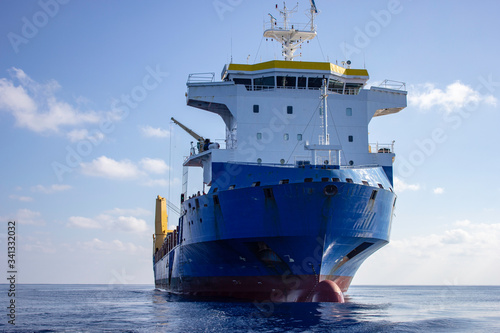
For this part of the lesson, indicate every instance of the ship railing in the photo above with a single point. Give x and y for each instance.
(340, 91)
(279, 25)
(383, 148)
(264, 164)
(391, 84)
(258, 88)
(362, 166)
(201, 77)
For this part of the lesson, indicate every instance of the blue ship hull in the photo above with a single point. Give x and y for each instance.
(279, 233)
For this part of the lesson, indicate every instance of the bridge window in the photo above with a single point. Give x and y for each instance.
(246, 82)
(348, 112)
(301, 82)
(286, 81)
(352, 88)
(315, 82)
(263, 83)
(336, 86)
(255, 109)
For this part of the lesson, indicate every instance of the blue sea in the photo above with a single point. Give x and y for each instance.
(141, 308)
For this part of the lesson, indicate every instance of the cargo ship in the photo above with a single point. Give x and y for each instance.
(295, 198)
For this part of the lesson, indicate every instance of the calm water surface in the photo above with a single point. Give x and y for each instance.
(140, 308)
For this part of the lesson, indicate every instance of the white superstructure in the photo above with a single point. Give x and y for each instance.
(273, 111)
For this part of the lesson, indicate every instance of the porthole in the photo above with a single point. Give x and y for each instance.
(351, 162)
(259, 160)
(282, 161)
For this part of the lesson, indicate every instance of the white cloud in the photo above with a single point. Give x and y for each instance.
(109, 222)
(467, 253)
(50, 189)
(20, 198)
(83, 134)
(130, 224)
(455, 96)
(108, 168)
(162, 182)
(152, 165)
(129, 211)
(400, 185)
(438, 190)
(156, 182)
(97, 245)
(152, 132)
(84, 222)
(35, 106)
(467, 239)
(29, 217)
(35, 244)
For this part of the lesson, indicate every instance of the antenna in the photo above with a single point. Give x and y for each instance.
(314, 12)
(231, 49)
(290, 38)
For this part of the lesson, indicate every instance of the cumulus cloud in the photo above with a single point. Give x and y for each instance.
(83, 134)
(97, 245)
(466, 253)
(35, 106)
(129, 211)
(106, 167)
(109, 168)
(84, 222)
(151, 132)
(455, 96)
(438, 190)
(109, 222)
(400, 185)
(20, 198)
(28, 217)
(35, 244)
(465, 239)
(154, 165)
(50, 189)
(161, 182)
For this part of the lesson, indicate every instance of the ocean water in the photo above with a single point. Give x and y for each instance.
(141, 308)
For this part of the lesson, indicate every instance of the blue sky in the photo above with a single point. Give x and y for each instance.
(87, 90)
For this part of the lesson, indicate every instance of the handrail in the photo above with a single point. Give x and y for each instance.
(391, 84)
(382, 147)
(201, 77)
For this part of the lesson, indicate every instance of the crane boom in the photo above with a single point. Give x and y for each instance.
(198, 138)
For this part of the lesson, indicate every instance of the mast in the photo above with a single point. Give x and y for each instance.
(291, 38)
(324, 115)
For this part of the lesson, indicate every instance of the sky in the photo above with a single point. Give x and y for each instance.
(87, 90)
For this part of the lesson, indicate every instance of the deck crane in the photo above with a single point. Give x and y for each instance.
(198, 137)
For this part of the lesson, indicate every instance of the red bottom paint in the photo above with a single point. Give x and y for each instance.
(282, 288)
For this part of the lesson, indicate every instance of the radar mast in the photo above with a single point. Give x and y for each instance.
(291, 36)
